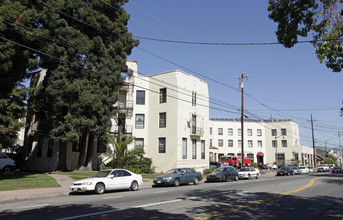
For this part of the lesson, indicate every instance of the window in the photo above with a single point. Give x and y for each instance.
(50, 148)
(259, 144)
(184, 148)
(161, 145)
(100, 146)
(230, 131)
(239, 143)
(194, 149)
(251, 156)
(163, 120)
(139, 143)
(211, 142)
(259, 132)
(194, 98)
(210, 130)
(274, 144)
(163, 95)
(230, 143)
(194, 124)
(239, 131)
(139, 121)
(220, 142)
(284, 143)
(140, 97)
(220, 131)
(40, 146)
(283, 131)
(249, 132)
(274, 132)
(250, 143)
(202, 149)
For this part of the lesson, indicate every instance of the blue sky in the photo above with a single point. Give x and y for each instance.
(282, 83)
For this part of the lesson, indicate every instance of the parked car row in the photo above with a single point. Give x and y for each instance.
(293, 170)
(325, 167)
(116, 179)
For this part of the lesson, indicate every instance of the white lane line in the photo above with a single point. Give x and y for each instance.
(160, 192)
(158, 203)
(122, 209)
(34, 206)
(113, 197)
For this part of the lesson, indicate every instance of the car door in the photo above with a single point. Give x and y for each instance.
(191, 175)
(114, 180)
(127, 179)
(184, 176)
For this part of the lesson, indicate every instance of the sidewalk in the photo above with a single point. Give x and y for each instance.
(63, 180)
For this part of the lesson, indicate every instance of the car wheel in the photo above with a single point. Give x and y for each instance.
(236, 178)
(99, 188)
(8, 170)
(176, 182)
(257, 176)
(196, 181)
(134, 186)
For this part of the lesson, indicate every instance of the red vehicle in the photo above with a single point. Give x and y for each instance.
(234, 161)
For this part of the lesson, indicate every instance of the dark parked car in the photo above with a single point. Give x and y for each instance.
(223, 174)
(178, 176)
(285, 171)
(337, 170)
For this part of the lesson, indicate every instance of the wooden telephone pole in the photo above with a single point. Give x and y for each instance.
(242, 117)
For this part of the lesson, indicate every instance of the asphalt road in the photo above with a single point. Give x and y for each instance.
(318, 196)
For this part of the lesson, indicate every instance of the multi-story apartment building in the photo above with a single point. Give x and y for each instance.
(265, 141)
(169, 118)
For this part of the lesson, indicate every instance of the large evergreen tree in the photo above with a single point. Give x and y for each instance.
(83, 45)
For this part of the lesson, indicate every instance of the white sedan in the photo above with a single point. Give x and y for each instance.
(248, 173)
(106, 180)
(304, 170)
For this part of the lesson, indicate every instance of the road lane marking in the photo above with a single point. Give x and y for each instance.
(121, 209)
(253, 203)
(113, 197)
(34, 206)
(159, 192)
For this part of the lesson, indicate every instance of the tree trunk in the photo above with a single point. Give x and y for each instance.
(82, 155)
(89, 158)
(62, 157)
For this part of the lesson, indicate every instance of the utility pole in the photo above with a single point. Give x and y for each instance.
(340, 145)
(242, 116)
(314, 147)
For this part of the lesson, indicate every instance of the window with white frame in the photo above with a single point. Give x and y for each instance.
(239, 131)
(210, 130)
(274, 143)
(184, 148)
(220, 142)
(283, 131)
(140, 97)
(162, 145)
(230, 143)
(230, 131)
(249, 132)
(259, 144)
(259, 132)
(139, 121)
(163, 120)
(203, 149)
(220, 131)
(194, 149)
(139, 143)
(163, 95)
(274, 132)
(284, 143)
(194, 98)
(250, 143)
(239, 143)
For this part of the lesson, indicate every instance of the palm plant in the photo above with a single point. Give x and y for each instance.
(120, 149)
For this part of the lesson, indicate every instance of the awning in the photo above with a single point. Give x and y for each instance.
(260, 154)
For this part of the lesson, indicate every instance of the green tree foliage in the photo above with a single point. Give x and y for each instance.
(321, 18)
(83, 45)
(12, 112)
(136, 162)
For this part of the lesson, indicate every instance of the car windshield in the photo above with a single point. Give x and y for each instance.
(218, 170)
(244, 169)
(322, 166)
(173, 171)
(283, 168)
(103, 173)
(301, 167)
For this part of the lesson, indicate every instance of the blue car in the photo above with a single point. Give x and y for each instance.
(223, 174)
(177, 177)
